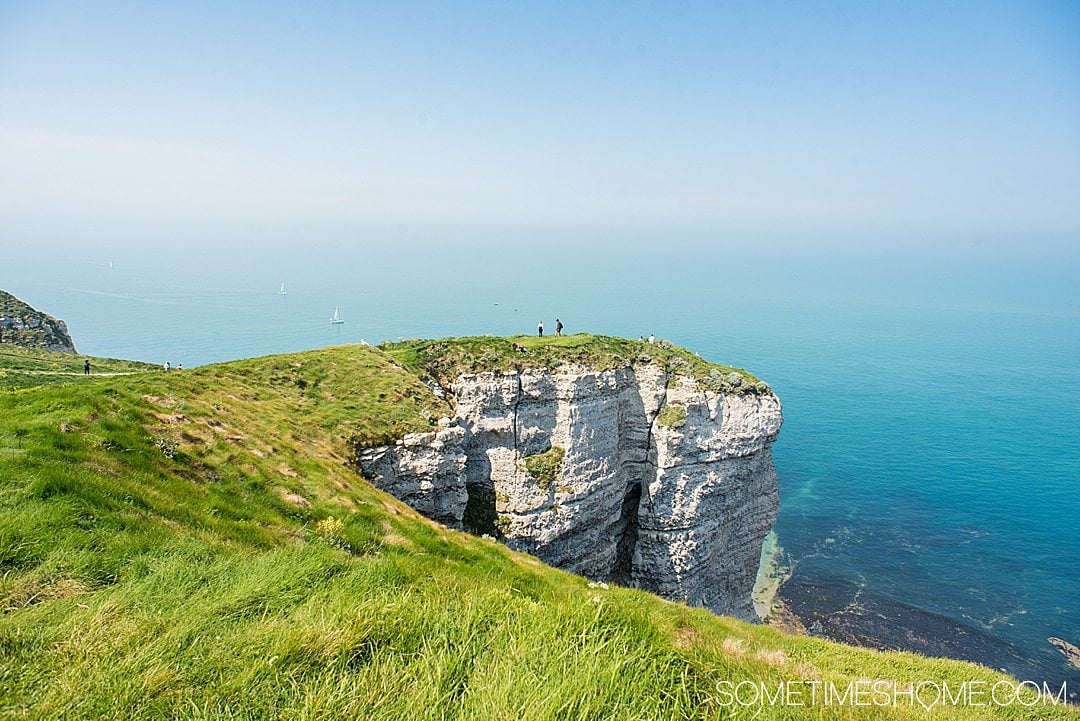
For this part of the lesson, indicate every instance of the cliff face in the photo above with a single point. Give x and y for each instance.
(622, 475)
(22, 325)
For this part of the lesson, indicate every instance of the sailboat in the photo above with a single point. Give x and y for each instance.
(336, 317)
(282, 291)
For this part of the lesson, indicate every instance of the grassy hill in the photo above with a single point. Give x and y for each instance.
(194, 545)
(24, 367)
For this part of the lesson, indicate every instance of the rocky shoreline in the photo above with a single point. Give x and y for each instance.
(840, 610)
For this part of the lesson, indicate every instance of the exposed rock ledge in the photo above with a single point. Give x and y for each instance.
(677, 503)
(22, 325)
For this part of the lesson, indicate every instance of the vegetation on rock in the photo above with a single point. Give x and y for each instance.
(444, 360)
(544, 467)
(23, 325)
(672, 415)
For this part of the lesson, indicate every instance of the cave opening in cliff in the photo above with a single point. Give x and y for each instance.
(627, 534)
(480, 516)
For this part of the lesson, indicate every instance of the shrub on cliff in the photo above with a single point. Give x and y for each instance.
(673, 415)
(544, 467)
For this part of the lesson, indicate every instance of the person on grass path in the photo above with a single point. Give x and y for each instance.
(540, 329)
(558, 327)
(86, 367)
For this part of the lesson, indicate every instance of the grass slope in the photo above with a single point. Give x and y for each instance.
(25, 367)
(194, 545)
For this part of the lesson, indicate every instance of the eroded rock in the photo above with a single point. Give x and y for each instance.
(678, 509)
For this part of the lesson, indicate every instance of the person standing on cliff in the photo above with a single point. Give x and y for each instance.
(86, 367)
(558, 327)
(540, 329)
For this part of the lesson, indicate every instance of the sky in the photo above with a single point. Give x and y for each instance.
(853, 126)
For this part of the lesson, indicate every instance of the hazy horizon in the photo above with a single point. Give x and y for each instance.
(921, 130)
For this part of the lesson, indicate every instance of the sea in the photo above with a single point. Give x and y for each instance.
(929, 462)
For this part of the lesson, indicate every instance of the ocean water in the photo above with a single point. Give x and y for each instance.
(929, 462)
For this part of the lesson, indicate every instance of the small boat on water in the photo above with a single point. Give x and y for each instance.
(282, 291)
(336, 317)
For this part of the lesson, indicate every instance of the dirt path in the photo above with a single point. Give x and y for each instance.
(72, 373)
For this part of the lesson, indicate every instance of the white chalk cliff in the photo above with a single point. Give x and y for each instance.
(675, 502)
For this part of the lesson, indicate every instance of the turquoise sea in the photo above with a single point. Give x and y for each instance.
(929, 462)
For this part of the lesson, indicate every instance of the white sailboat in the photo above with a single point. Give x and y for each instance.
(336, 317)
(282, 291)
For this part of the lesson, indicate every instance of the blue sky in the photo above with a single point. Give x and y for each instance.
(847, 125)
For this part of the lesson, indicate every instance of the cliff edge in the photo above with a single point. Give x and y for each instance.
(179, 545)
(22, 325)
(618, 460)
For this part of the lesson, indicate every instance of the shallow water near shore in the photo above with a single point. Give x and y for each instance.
(929, 462)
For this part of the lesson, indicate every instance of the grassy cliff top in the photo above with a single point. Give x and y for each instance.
(24, 367)
(194, 545)
(445, 359)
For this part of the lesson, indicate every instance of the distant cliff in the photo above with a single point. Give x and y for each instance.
(22, 325)
(640, 469)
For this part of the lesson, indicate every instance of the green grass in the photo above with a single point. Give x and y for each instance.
(248, 573)
(25, 367)
(444, 360)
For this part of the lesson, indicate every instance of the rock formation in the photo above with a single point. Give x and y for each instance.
(22, 325)
(624, 474)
